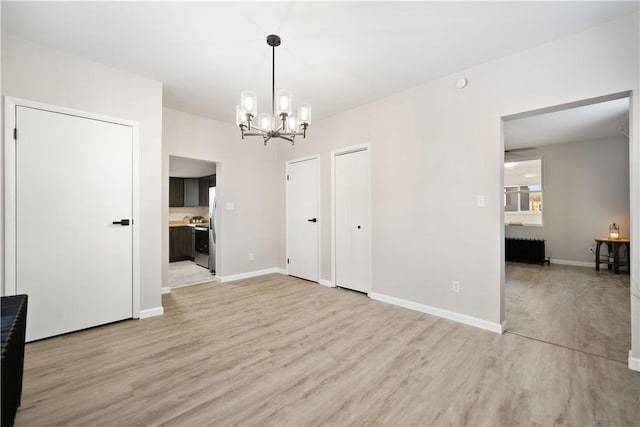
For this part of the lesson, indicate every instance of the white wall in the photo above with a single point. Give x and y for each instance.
(586, 187)
(38, 73)
(1, 170)
(434, 148)
(245, 176)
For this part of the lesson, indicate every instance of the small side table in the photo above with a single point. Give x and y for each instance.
(613, 245)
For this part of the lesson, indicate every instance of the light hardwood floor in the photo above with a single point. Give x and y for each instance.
(576, 307)
(275, 350)
(187, 273)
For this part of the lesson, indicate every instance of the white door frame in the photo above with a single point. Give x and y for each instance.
(9, 285)
(286, 219)
(334, 153)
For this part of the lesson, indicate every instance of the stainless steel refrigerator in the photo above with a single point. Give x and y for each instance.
(212, 229)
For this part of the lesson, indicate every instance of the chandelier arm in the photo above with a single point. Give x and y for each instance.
(254, 133)
(257, 129)
(285, 138)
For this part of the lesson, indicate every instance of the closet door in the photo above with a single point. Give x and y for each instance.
(352, 220)
(302, 219)
(74, 255)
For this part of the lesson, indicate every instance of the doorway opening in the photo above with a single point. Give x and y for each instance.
(193, 221)
(565, 180)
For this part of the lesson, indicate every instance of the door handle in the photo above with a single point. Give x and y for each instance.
(122, 222)
(313, 220)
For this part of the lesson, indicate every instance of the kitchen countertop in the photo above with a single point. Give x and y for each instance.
(187, 224)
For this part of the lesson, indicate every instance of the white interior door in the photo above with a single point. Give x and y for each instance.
(352, 263)
(73, 179)
(302, 219)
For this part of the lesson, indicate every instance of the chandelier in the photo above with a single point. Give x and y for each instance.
(282, 122)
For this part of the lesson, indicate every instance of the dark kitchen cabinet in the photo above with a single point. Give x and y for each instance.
(191, 191)
(176, 192)
(180, 244)
(204, 191)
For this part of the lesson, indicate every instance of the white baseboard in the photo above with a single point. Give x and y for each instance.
(574, 263)
(634, 362)
(281, 271)
(151, 312)
(250, 274)
(451, 315)
(325, 282)
(165, 290)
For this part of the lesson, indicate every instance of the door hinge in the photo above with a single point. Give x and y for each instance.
(287, 260)
(15, 133)
(287, 177)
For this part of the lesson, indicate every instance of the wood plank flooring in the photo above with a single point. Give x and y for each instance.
(576, 307)
(276, 350)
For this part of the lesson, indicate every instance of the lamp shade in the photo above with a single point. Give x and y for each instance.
(614, 231)
(264, 122)
(292, 123)
(241, 116)
(249, 102)
(304, 113)
(283, 102)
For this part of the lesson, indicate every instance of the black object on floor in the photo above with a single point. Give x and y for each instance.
(13, 324)
(525, 250)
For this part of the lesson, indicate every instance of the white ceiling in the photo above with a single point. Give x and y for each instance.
(587, 123)
(527, 172)
(336, 55)
(182, 167)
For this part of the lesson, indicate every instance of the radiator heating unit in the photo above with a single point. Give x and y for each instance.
(525, 250)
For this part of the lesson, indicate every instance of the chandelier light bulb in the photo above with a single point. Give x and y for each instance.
(283, 102)
(264, 122)
(241, 116)
(292, 123)
(249, 102)
(304, 112)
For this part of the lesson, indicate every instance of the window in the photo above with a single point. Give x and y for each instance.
(523, 192)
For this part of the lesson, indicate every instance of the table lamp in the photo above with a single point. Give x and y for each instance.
(614, 231)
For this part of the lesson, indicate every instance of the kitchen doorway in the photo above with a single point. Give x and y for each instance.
(193, 221)
(566, 178)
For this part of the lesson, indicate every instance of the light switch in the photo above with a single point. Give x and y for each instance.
(229, 206)
(480, 202)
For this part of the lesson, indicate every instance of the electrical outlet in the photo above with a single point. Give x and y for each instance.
(252, 256)
(455, 286)
(480, 201)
